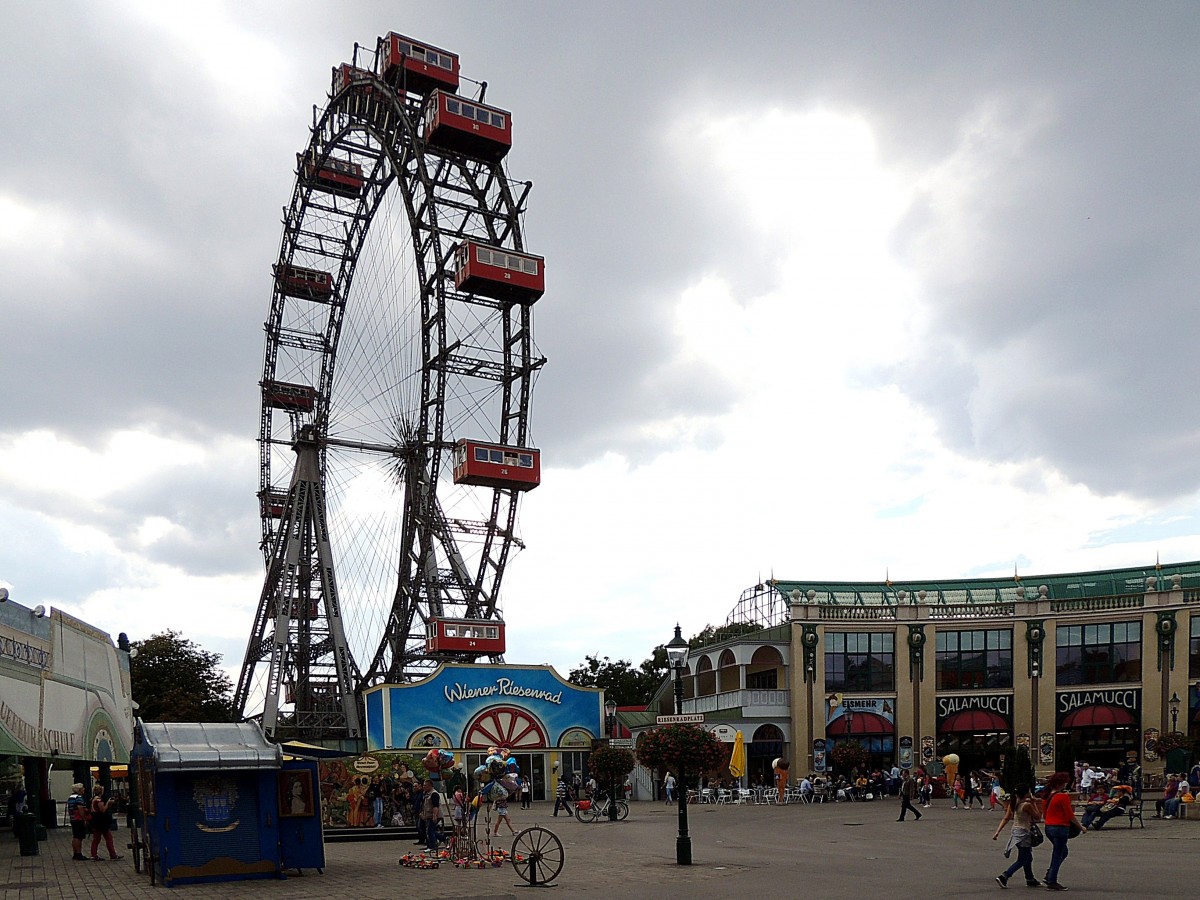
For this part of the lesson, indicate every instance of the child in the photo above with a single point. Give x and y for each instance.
(502, 816)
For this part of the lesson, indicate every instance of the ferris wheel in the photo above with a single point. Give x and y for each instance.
(396, 386)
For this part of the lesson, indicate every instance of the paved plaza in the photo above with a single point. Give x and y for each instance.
(851, 850)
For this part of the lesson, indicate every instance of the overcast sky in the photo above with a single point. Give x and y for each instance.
(834, 290)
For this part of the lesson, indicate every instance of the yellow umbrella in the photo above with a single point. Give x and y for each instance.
(737, 759)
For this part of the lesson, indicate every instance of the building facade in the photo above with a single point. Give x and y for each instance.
(64, 702)
(548, 724)
(1093, 666)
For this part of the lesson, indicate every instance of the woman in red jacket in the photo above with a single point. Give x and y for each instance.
(1058, 814)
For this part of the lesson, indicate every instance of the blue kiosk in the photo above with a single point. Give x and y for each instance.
(220, 803)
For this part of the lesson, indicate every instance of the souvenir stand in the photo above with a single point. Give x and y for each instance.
(210, 797)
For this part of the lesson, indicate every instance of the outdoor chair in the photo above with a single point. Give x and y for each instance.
(1134, 811)
(724, 795)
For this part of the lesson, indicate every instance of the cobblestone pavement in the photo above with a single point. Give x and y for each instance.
(839, 850)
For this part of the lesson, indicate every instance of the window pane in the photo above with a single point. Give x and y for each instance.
(481, 454)
(1091, 634)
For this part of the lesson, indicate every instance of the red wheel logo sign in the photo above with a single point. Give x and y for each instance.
(505, 726)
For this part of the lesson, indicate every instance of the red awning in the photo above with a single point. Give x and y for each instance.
(863, 723)
(1098, 716)
(973, 721)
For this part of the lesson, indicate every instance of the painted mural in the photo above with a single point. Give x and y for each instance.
(379, 788)
(477, 707)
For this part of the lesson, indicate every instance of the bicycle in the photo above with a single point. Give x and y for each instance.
(598, 809)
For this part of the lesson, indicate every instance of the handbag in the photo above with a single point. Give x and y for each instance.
(1035, 835)
(1074, 829)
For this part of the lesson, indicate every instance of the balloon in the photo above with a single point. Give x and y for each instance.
(510, 782)
(482, 774)
(493, 791)
(950, 759)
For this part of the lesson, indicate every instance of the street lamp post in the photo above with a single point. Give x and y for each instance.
(610, 721)
(1174, 703)
(677, 651)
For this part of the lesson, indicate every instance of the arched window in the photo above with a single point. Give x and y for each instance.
(766, 671)
(706, 678)
(768, 732)
(729, 677)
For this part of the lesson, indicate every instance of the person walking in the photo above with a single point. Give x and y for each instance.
(957, 792)
(1023, 813)
(1059, 814)
(974, 790)
(77, 812)
(669, 787)
(995, 793)
(102, 823)
(560, 797)
(502, 816)
(908, 791)
(526, 793)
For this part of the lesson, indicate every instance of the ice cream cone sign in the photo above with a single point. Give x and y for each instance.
(950, 761)
(781, 767)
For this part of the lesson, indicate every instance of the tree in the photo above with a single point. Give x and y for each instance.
(622, 683)
(713, 634)
(175, 680)
(848, 757)
(1017, 769)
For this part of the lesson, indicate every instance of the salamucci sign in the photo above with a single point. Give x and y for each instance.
(1001, 704)
(1129, 698)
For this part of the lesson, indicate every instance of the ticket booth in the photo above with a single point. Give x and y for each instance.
(210, 798)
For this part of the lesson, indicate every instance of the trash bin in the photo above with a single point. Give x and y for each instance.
(27, 834)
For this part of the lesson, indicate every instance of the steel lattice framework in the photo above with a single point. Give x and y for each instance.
(401, 365)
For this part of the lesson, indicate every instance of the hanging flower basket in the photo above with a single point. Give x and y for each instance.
(680, 748)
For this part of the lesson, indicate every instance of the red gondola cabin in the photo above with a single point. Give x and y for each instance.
(335, 176)
(272, 503)
(498, 273)
(471, 635)
(307, 284)
(296, 397)
(498, 466)
(465, 126)
(346, 75)
(418, 68)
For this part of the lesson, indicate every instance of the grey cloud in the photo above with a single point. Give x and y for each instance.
(1069, 340)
